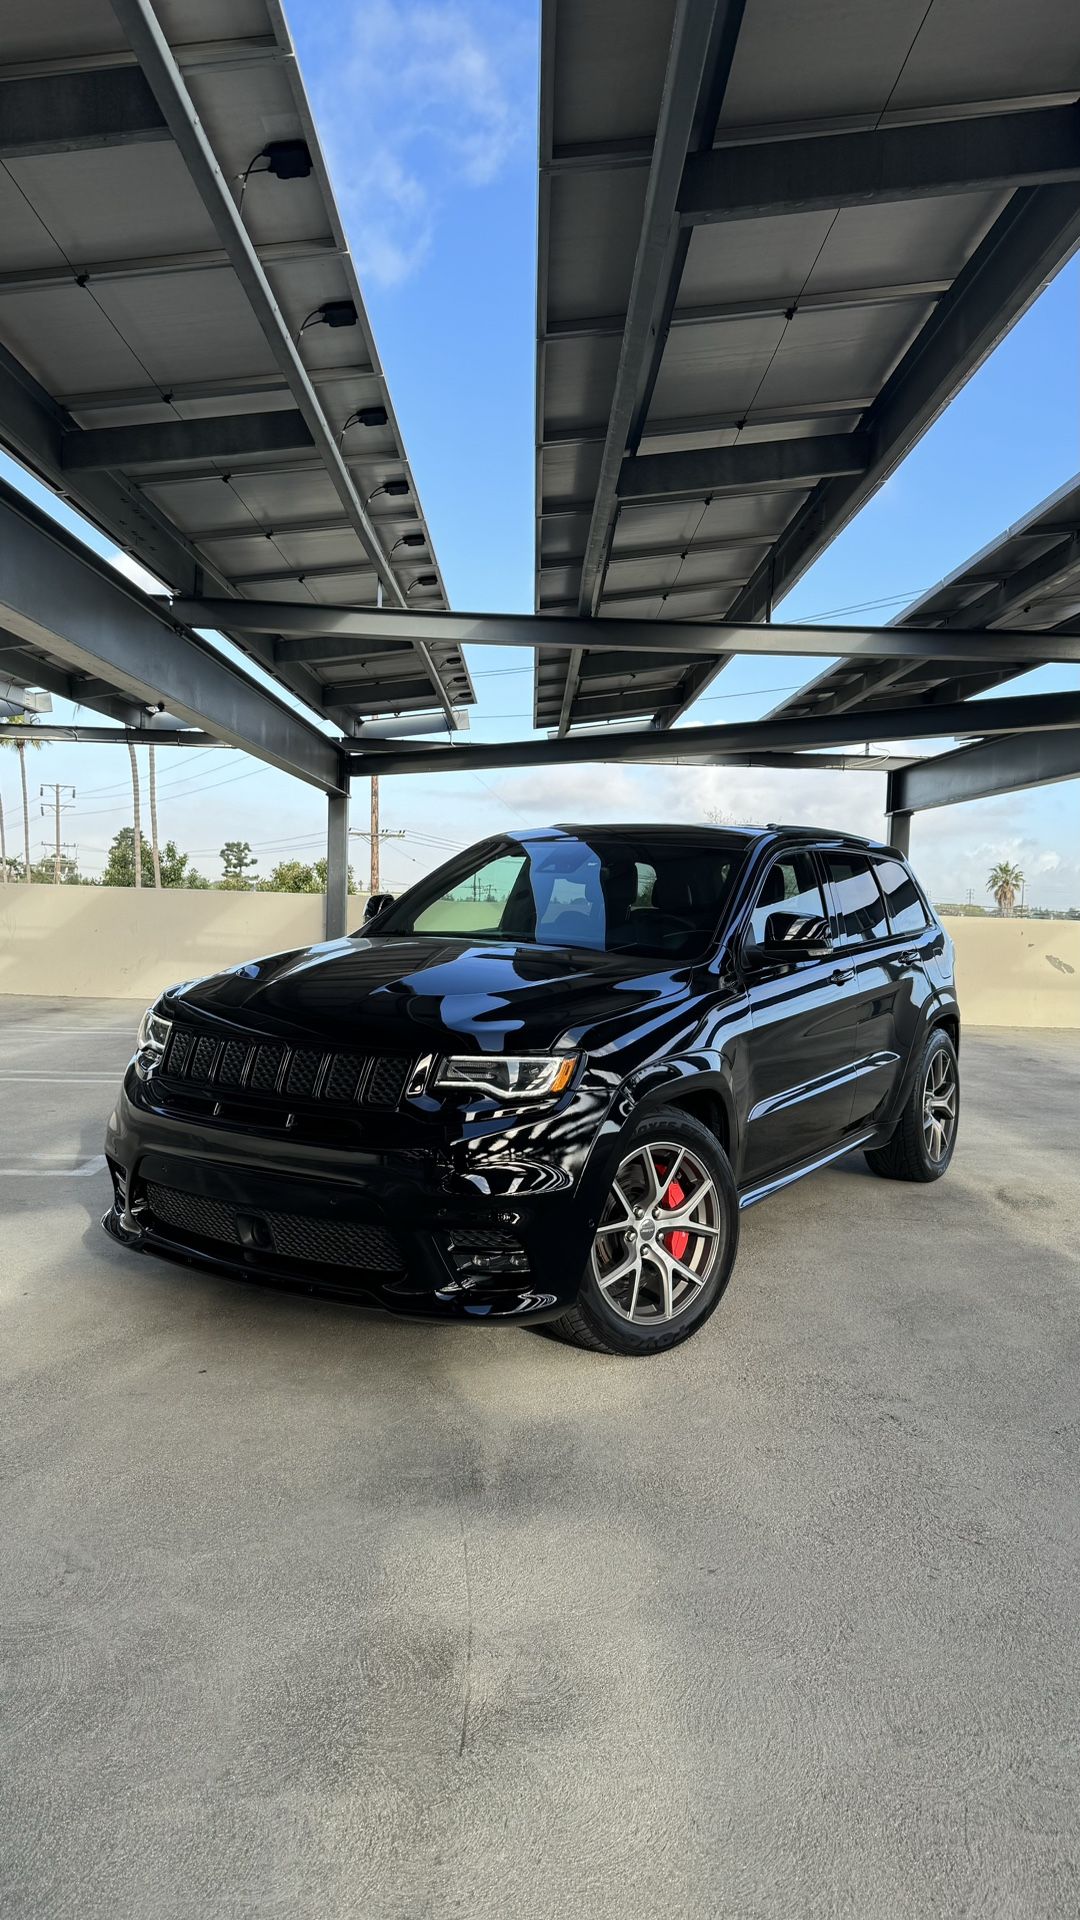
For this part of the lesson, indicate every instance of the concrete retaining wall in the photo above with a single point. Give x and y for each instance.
(109, 941)
(90, 942)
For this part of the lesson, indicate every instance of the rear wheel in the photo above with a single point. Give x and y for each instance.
(665, 1241)
(923, 1140)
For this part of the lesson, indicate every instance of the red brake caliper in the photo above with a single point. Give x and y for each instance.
(678, 1239)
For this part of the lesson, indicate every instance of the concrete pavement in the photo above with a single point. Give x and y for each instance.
(311, 1614)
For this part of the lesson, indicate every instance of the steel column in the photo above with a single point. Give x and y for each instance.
(336, 904)
(899, 828)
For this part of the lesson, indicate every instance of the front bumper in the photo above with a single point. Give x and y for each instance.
(451, 1242)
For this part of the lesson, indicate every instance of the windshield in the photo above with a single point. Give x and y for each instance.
(656, 896)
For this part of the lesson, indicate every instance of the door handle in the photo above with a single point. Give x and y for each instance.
(910, 958)
(840, 974)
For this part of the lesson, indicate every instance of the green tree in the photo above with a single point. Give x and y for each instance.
(299, 876)
(237, 858)
(176, 868)
(43, 872)
(1004, 881)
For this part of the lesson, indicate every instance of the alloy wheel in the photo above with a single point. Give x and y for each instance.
(939, 1104)
(661, 1234)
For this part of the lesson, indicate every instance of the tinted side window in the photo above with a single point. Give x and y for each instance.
(790, 886)
(859, 902)
(906, 911)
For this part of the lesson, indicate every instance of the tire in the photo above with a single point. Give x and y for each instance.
(681, 1270)
(908, 1154)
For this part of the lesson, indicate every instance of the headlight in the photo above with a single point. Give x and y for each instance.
(524, 1077)
(153, 1039)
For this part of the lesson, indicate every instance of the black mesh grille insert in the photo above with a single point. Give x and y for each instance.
(303, 1071)
(294, 1236)
(311, 1075)
(343, 1078)
(231, 1065)
(266, 1069)
(202, 1057)
(387, 1082)
(180, 1049)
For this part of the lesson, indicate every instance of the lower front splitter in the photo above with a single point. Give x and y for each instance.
(458, 1301)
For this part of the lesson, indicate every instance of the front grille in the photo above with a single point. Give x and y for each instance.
(287, 1076)
(294, 1236)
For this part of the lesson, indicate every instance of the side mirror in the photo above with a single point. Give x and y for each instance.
(376, 904)
(790, 937)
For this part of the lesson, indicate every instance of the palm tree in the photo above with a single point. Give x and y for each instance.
(1004, 882)
(20, 746)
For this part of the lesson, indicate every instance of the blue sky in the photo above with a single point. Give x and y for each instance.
(427, 110)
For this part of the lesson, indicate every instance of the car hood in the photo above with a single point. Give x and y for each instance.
(404, 994)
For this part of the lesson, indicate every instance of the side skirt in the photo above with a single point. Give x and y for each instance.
(773, 1184)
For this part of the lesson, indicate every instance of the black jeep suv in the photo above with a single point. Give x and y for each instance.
(541, 1085)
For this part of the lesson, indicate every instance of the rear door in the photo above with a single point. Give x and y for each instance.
(889, 984)
(802, 1037)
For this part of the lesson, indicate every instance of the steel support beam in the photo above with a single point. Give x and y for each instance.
(336, 900)
(1021, 586)
(677, 550)
(993, 766)
(143, 31)
(703, 39)
(985, 717)
(607, 326)
(968, 155)
(77, 736)
(159, 442)
(732, 422)
(1030, 240)
(57, 595)
(292, 620)
(64, 112)
(156, 266)
(748, 467)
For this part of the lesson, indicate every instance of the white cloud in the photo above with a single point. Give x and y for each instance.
(953, 848)
(416, 97)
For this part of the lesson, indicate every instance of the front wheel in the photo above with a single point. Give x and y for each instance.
(921, 1145)
(665, 1241)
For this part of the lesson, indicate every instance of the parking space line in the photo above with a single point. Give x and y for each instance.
(82, 1172)
(62, 1079)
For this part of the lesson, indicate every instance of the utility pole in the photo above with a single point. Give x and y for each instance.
(374, 833)
(155, 851)
(376, 836)
(59, 805)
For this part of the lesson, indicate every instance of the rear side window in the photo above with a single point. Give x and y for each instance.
(858, 898)
(790, 886)
(907, 914)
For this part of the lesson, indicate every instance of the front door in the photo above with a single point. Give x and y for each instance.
(802, 1038)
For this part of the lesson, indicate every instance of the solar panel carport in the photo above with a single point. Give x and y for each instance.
(186, 353)
(774, 241)
(772, 246)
